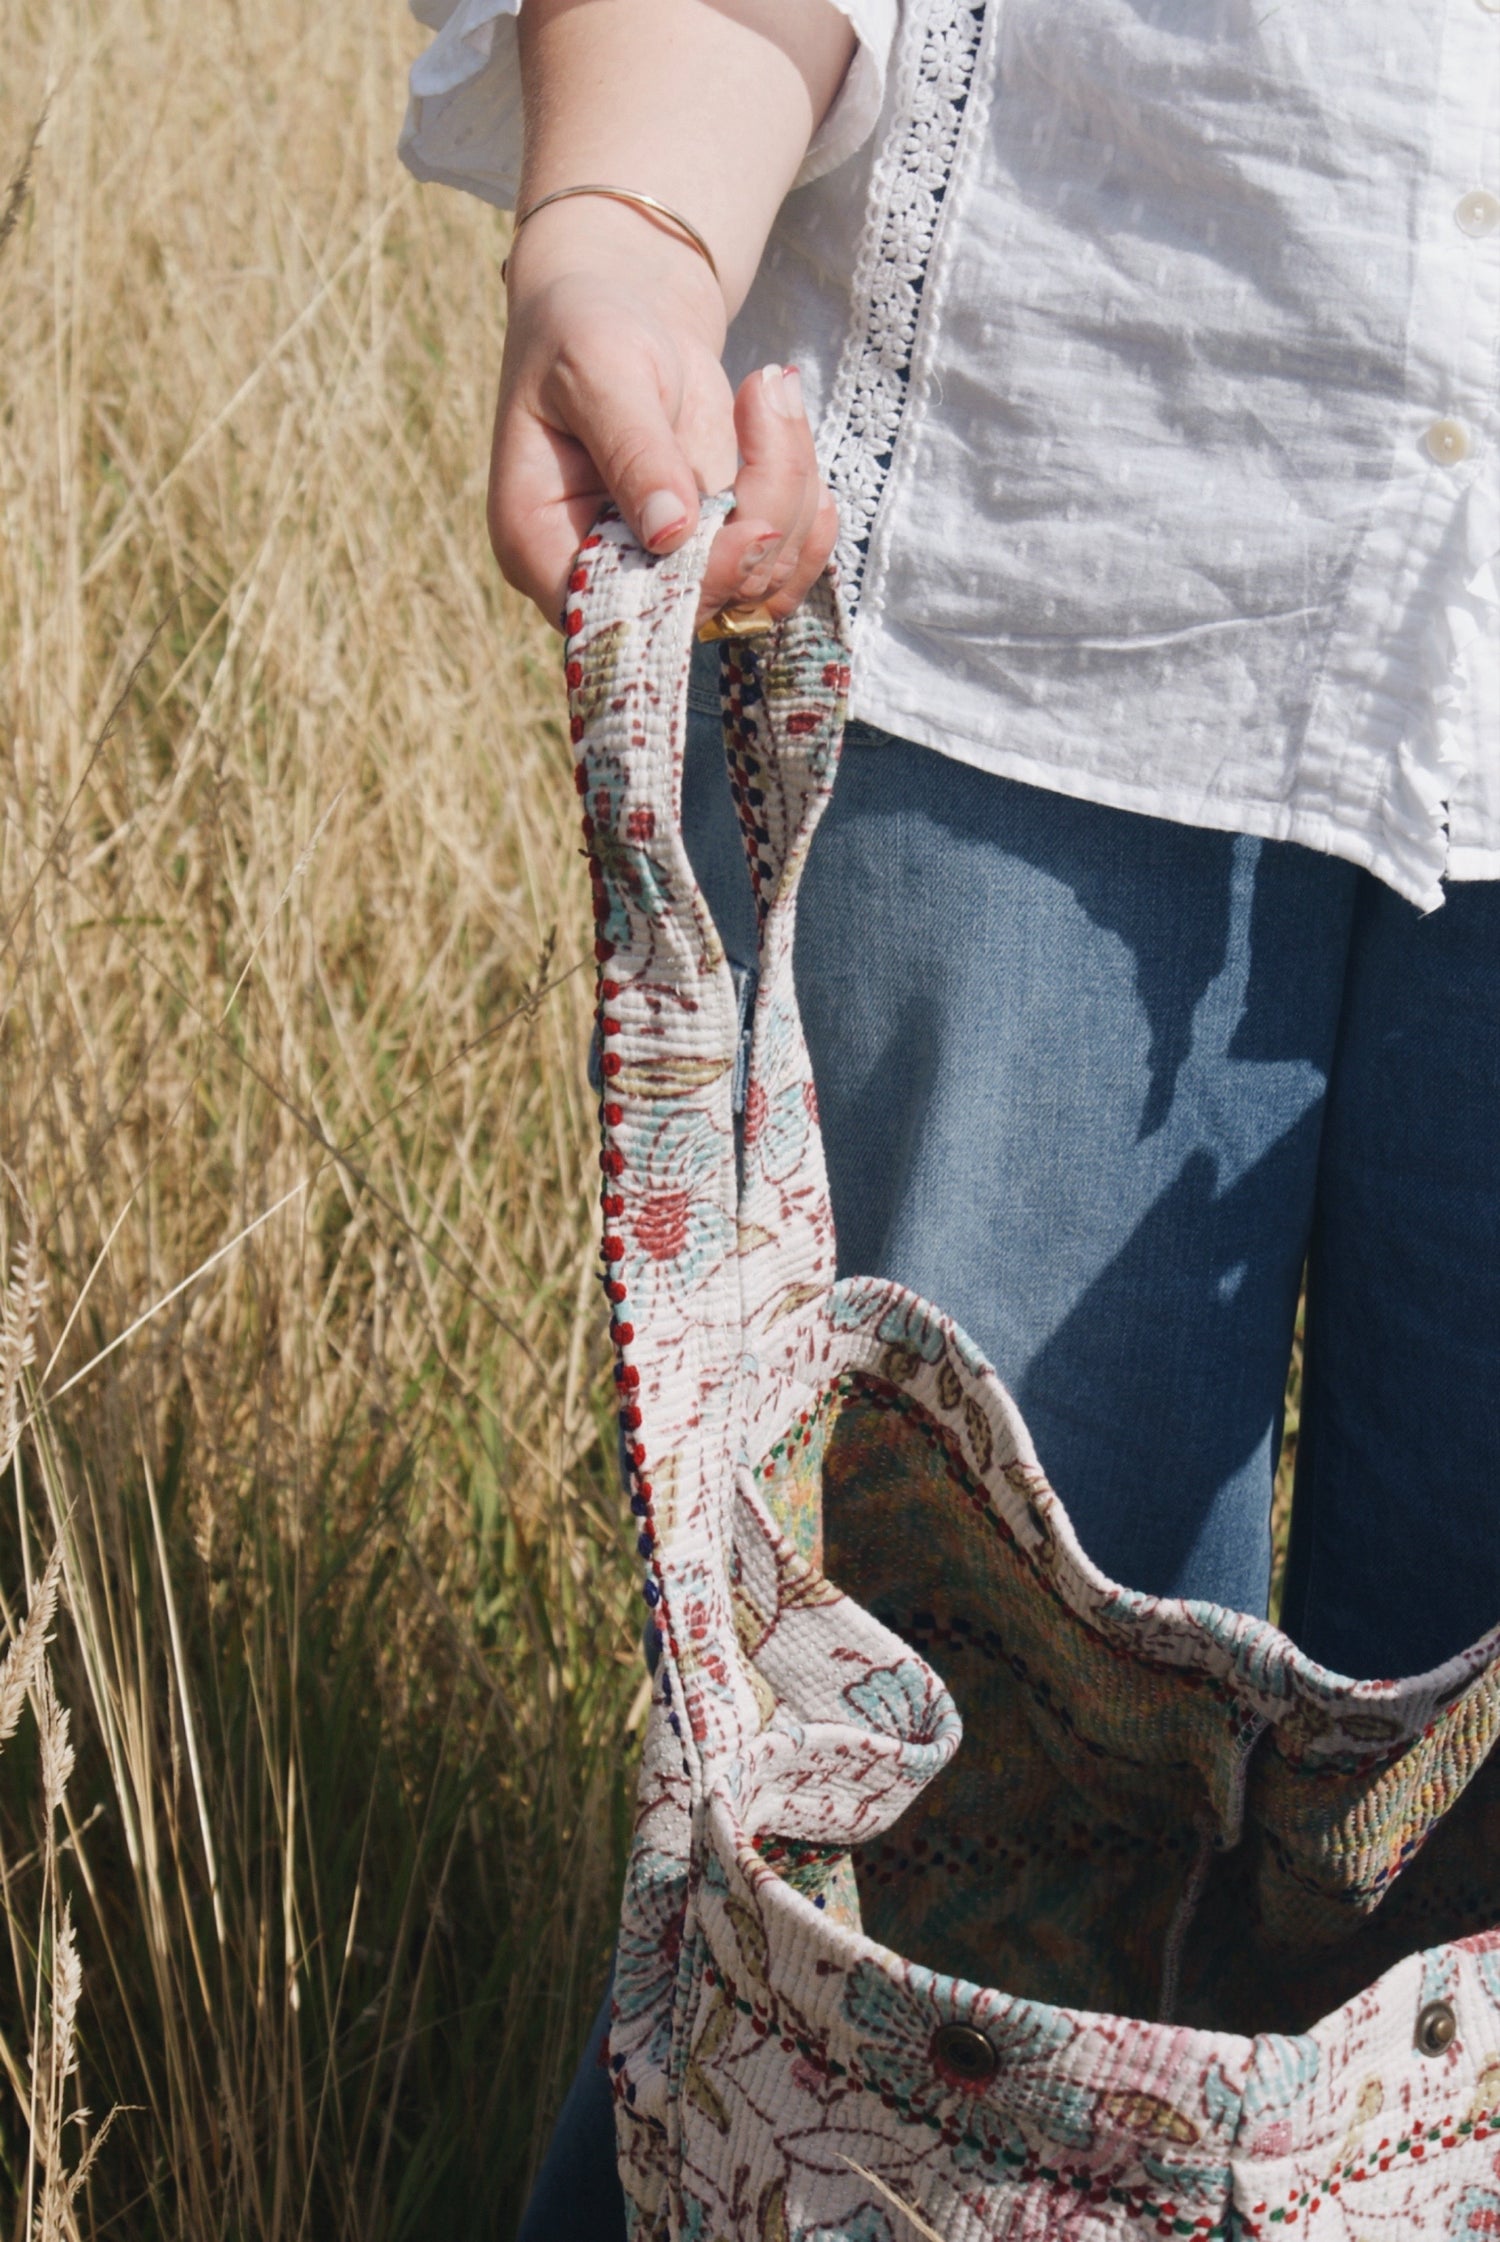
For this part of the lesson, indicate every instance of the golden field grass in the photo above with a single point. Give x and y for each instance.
(293, 927)
(313, 1813)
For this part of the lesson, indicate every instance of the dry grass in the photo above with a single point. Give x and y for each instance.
(291, 1006)
(291, 920)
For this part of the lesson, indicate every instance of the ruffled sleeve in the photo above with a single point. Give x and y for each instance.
(463, 117)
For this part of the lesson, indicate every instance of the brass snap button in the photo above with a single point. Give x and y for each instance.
(964, 2055)
(1437, 2028)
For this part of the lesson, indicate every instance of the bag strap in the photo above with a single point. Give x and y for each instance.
(783, 721)
(696, 1264)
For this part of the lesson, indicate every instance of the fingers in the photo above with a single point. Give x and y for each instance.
(609, 411)
(777, 542)
(618, 414)
(817, 552)
(544, 498)
(598, 426)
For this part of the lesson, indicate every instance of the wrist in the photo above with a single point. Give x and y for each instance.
(612, 245)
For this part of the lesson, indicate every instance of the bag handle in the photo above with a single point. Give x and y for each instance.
(783, 705)
(694, 1263)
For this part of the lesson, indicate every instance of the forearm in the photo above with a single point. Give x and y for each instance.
(613, 385)
(707, 104)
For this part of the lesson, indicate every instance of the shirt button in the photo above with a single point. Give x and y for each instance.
(964, 2055)
(1448, 442)
(1437, 2028)
(1478, 213)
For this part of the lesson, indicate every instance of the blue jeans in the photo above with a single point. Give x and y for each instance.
(1101, 1086)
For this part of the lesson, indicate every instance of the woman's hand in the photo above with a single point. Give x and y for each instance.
(612, 388)
(611, 385)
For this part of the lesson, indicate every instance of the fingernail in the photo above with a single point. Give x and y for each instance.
(774, 383)
(792, 384)
(754, 555)
(662, 514)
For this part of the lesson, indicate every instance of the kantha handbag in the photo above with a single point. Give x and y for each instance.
(1133, 1922)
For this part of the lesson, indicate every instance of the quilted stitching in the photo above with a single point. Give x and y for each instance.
(1216, 1883)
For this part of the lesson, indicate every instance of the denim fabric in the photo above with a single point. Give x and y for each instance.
(1099, 1085)
(578, 2196)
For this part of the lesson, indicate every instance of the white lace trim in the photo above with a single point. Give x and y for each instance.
(907, 188)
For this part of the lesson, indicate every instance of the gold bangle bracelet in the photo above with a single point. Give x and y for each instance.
(638, 201)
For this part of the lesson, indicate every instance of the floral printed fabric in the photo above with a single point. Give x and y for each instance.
(1221, 1924)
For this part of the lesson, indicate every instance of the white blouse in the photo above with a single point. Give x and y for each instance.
(1154, 352)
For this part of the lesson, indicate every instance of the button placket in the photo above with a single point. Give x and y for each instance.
(1454, 304)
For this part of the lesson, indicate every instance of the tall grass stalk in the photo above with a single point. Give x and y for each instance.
(311, 1832)
(314, 1783)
